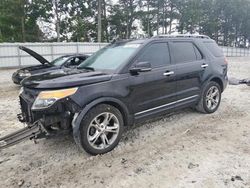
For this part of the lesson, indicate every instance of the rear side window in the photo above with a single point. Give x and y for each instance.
(185, 52)
(156, 54)
(214, 49)
(198, 53)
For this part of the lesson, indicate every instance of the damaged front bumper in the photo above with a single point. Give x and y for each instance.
(31, 132)
(42, 123)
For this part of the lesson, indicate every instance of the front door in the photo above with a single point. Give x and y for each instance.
(153, 91)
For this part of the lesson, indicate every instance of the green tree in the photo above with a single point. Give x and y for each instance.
(18, 21)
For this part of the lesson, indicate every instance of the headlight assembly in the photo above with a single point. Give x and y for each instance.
(47, 98)
(24, 74)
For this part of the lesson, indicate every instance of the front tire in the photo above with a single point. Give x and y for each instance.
(101, 129)
(210, 99)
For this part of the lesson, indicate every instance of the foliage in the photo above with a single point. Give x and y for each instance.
(226, 21)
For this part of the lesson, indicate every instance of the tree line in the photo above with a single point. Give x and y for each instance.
(226, 21)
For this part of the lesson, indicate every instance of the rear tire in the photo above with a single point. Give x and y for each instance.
(210, 98)
(101, 129)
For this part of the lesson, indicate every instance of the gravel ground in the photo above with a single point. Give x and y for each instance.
(184, 149)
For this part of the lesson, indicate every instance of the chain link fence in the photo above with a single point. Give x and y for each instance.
(11, 56)
(235, 52)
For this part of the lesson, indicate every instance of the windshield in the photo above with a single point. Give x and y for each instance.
(59, 61)
(111, 57)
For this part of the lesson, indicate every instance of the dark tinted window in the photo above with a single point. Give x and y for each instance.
(74, 61)
(156, 54)
(198, 53)
(59, 61)
(214, 49)
(184, 52)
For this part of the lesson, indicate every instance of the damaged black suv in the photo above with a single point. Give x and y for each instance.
(121, 84)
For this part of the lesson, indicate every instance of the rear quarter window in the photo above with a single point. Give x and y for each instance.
(185, 52)
(214, 49)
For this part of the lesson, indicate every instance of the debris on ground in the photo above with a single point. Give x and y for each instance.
(191, 166)
(20, 183)
(123, 160)
(233, 178)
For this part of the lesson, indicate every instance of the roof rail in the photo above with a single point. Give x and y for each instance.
(182, 36)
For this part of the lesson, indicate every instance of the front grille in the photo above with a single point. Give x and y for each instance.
(26, 110)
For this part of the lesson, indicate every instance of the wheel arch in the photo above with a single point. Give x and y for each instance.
(128, 120)
(218, 81)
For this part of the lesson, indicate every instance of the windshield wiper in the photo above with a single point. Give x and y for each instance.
(86, 68)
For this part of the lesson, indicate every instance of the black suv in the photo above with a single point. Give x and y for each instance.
(123, 83)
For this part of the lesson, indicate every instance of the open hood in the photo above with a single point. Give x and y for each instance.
(38, 57)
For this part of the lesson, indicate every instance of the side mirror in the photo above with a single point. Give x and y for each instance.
(141, 67)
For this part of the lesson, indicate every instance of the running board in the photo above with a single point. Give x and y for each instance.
(29, 132)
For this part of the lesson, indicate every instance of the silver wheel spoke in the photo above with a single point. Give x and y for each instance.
(95, 126)
(95, 137)
(210, 92)
(214, 94)
(105, 140)
(107, 118)
(113, 129)
(209, 104)
(215, 102)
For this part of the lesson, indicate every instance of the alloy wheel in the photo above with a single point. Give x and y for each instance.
(212, 98)
(103, 130)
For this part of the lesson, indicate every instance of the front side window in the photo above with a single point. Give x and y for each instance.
(156, 54)
(185, 52)
(75, 61)
(59, 61)
(111, 57)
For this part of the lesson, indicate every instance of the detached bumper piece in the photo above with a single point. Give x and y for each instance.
(28, 133)
(234, 81)
(247, 82)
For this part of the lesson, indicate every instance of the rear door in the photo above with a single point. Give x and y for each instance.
(190, 68)
(153, 91)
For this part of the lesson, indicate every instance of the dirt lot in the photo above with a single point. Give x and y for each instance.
(184, 149)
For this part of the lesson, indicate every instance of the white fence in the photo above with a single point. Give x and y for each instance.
(235, 52)
(12, 56)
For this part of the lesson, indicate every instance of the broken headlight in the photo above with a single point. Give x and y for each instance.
(47, 98)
